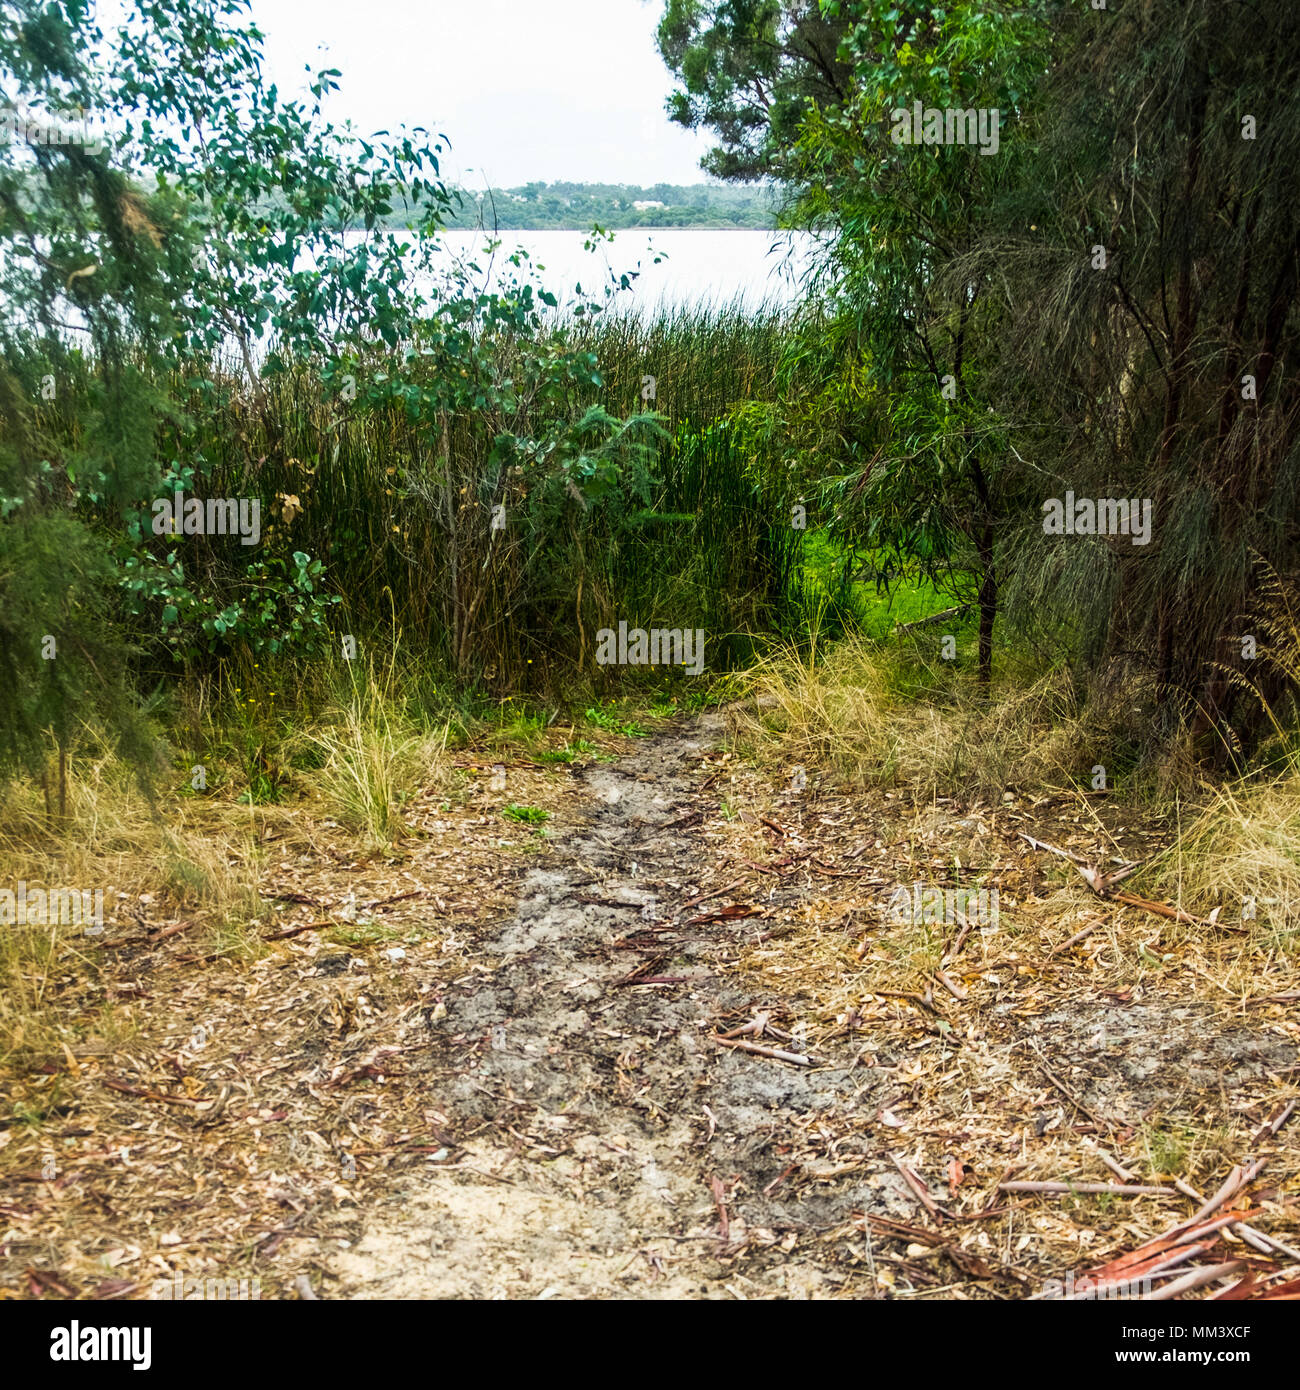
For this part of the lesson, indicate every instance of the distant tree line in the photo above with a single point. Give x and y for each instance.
(577, 206)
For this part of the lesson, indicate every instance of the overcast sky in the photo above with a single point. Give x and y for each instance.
(524, 89)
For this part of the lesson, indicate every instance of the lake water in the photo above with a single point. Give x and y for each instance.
(677, 267)
(683, 267)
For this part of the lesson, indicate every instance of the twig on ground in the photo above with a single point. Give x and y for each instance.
(1119, 1189)
(798, 1059)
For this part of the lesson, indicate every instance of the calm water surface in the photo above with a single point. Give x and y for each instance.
(683, 267)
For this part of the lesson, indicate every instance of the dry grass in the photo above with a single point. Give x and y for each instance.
(155, 861)
(235, 1061)
(854, 710)
(1238, 858)
(184, 856)
(373, 761)
(1068, 1024)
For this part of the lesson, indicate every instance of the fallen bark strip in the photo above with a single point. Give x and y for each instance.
(1119, 1189)
(719, 1194)
(1130, 1265)
(1198, 1278)
(763, 868)
(797, 1059)
(913, 1180)
(779, 1179)
(1101, 1285)
(1272, 1126)
(1258, 1291)
(1233, 1184)
(1259, 1240)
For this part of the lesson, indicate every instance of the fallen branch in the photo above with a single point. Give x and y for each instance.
(177, 929)
(660, 980)
(1102, 885)
(396, 898)
(298, 931)
(955, 990)
(954, 612)
(1070, 1096)
(1116, 1168)
(717, 893)
(798, 1059)
(955, 948)
(755, 1026)
(634, 977)
(1119, 1189)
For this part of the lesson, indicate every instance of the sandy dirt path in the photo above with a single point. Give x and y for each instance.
(609, 1148)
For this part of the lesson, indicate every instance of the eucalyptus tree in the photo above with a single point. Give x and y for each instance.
(904, 179)
(747, 70)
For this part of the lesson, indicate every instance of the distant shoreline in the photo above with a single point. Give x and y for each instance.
(577, 207)
(502, 227)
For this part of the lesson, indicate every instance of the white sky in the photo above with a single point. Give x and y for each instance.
(524, 89)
